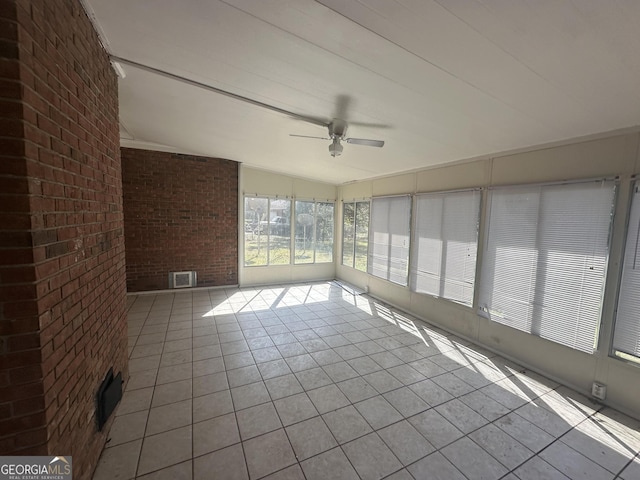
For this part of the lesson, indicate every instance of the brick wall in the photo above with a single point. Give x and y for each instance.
(62, 275)
(180, 214)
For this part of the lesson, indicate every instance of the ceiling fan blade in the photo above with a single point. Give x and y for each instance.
(364, 141)
(308, 136)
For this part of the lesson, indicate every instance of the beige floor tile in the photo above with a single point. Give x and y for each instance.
(328, 398)
(525, 432)
(206, 384)
(295, 408)
(249, 395)
(212, 405)
(406, 402)
(243, 376)
(177, 345)
(537, 469)
(332, 464)
(208, 366)
(357, 389)
(237, 360)
(435, 467)
(371, 458)
(310, 438)
(135, 401)
(473, 461)
(290, 473)
(283, 386)
(172, 392)
(141, 350)
(465, 419)
(274, 368)
(431, 393)
(254, 421)
(573, 464)
(631, 471)
(383, 381)
(378, 412)
(165, 449)
(214, 434)
(435, 428)
(346, 424)
(181, 471)
(501, 446)
(174, 373)
(118, 462)
(405, 442)
(268, 453)
(485, 406)
(128, 427)
(168, 417)
(176, 358)
(142, 379)
(313, 378)
(144, 363)
(227, 464)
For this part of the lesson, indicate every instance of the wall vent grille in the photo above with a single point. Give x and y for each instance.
(182, 279)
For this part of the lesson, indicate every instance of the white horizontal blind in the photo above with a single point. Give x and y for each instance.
(545, 262)
(445, 245)
(626, 337)
(389, 238)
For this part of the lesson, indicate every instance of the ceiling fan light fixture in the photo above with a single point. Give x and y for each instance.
(335, 149)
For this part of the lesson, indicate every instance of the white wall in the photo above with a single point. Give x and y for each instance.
(611, 156)
(269, 184)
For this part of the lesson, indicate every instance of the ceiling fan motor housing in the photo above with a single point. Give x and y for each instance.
(337, 128)
(335, 149)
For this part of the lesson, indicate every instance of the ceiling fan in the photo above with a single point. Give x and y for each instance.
(337, 133)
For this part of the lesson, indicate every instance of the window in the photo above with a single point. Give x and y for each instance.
(626, 336)
(267, 231)
(389, 238)
(314, 232)
(445, 243)
(355, 234)
(545, 260)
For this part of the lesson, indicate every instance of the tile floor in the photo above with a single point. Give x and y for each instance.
(311, 382)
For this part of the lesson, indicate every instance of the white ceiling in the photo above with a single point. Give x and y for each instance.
(438, 81)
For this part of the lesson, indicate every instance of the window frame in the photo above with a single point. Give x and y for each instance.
(269, 199)
(315, 203)
(354, 249)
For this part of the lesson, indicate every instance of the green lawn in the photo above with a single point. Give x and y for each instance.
(255, 251)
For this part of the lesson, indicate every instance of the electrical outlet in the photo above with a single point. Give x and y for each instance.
(599, 391)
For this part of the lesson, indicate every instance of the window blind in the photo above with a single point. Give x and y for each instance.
(626, 337)
(445, 245)
(389, 238)
(545, 261)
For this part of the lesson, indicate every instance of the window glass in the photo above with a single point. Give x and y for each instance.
(348, 233)
(267, 231)
(314, 232)
(361, 235)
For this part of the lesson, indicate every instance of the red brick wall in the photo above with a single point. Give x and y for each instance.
(180, 213)
(62, 276)
(22, 402)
